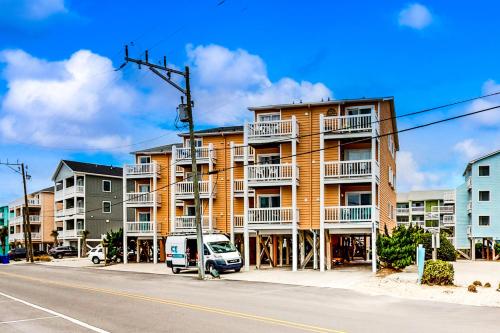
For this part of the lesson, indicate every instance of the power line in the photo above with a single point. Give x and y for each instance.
(463, 115)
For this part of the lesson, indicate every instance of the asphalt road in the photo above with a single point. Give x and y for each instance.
(36, 298)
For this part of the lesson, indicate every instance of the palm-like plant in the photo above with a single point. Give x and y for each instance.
(4, 233)
(54, 234)
(85, 234)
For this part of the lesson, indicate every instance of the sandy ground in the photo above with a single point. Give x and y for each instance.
(358, 278)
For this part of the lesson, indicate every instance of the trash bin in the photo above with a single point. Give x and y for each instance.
(4, 259)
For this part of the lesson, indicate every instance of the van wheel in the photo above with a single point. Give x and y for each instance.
(210, 267)
(59, 256)
(96, 260)
(237, 270)
(175, 270)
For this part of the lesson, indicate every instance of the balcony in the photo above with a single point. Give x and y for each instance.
(349, 214)
(139, 227)
(449, 197)
(74, 190)
(402, 211)
(19, 236)
(238, 221)
(33, 202)
(271, 174)
(239, 153)
(143, 170)
(469, 207)
(238, 185)
(203, 155)
(142, 199)
(349, 171)
(348, 125)
(70, 212)
(270, 217)
(70, 233)
(443, 209)
(189, 222)
(448, 220)
(270, 131)
(469, 182)
(418, 210)
(179, 171)
(185, 190)
(431, 215)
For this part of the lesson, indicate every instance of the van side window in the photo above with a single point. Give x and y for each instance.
(205, 250)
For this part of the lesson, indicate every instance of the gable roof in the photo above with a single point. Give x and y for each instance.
(217, 130)
(90, 168)
(479, 159)
(165, 149)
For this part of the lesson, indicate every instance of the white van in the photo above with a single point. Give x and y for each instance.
(219, 253)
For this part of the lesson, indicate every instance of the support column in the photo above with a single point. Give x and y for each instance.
(138, 250)
(124, 186)
(280, 245)
(328, 251)
(315, 251)
(155, 208)
(302, 244)
(246, 236)
(294, 194)
(210, 187)
(473, 249)
(231, 190)
(257, 250)
(173, 174)
(79, 241)
(321, 193)
(374, 189)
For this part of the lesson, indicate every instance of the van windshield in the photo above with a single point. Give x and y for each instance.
(222, 247)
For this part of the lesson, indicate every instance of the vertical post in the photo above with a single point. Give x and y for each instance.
(210, 187)
(155, 227)
(321, 194)
(29, 245)
(197, 204)
(257, 250)
(231, 190)
(79, 246)
(374, 191)
(124, 212)
(173, 200)
(294, 194)
(246, 236)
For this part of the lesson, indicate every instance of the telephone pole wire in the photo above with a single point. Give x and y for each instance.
(186, 110)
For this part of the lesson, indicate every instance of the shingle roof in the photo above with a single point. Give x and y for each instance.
(99, 169)
(158, 150)
(217, 130)
(480, 158)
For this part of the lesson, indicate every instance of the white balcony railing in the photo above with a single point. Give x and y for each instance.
(442, 209)
(74, 211)
(449, 197)
(469, 182)
(202, 153)
(348, 169)
(345, 214)
(469, 206)
(139, 227)
(402, 211)
(348, 124)
(238, 185)
(142, 169)
(189, 222)
(59, 213)
(448, 220)
(142, 198)
(186, 188)
(270, 129)
(238, 221)
(270, 215)
(431, 215)
(269, 173)
(33, 202)
(70, 233)
(179, 171)
(239, 153)
(419, 210)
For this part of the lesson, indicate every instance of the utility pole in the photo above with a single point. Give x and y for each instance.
(29, 245)
(185, 115)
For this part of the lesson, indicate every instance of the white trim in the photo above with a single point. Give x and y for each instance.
(110, 210)
(258, 115)
(138, 160)
(110, 185)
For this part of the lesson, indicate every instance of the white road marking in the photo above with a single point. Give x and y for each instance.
(23, 320)
(73, 320)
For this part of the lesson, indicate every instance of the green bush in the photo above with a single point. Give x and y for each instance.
(438, 272)
(445, 252)
(399, 249)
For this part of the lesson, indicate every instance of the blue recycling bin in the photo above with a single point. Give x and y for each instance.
(4, 259)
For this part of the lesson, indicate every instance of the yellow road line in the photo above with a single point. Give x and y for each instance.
(175, 303)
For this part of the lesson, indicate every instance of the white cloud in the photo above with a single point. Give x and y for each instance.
(41, 9)
(469, 149)
(226, 82)
(14, 11)
(415, 16)
(488, 118)
(411, 177)
(73, 102)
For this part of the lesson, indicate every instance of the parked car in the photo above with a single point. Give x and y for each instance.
(96, 255)
(63, 251)
(17, 253)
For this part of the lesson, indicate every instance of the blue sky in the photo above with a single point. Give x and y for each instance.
(60, 98)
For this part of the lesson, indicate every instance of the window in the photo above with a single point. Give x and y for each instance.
(358, 111)
(484, 195)
(106, 185)
(269, 159)
(357, 154)
(484, 221)
(391, 176)
(390, 210)
(198, 142)
(106, 207)
(484, 170)
(144, 216)
(269, 201)
(358, 199)
(144, 188)
(391, 145)
(269, 117)
(144, 159)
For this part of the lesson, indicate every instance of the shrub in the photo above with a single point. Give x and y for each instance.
(477, 283)
(398, 250)
(445, 252)
(487, 285)
(438, 272)
(472, 288)
(42, 258)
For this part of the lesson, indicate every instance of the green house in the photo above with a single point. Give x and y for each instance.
(4, 223)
